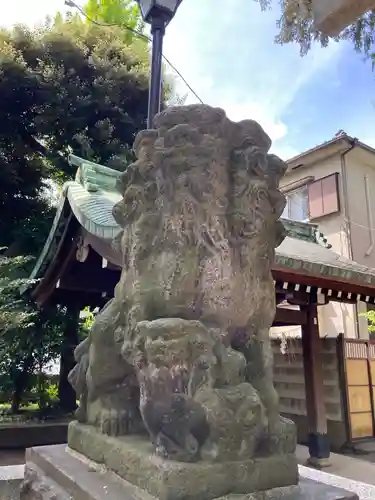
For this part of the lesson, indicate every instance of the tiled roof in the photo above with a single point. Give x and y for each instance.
(340, 136)
(312, 258)
(93, 210)
(92, 197)
(306, 251)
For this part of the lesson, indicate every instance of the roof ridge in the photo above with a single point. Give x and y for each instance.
(93, 176)
(306, 231)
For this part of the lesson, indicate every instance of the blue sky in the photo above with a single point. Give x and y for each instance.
(226, 51)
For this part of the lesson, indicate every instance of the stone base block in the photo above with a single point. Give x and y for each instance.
(132, 458)
(11, 477)
(55, 472)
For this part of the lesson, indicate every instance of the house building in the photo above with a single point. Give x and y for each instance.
(332, 16)
(333, 185)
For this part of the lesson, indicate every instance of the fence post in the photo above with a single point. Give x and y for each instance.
(341, 357)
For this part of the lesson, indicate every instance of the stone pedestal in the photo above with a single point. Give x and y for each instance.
(133, 459)
(58, 473)
(11, 477)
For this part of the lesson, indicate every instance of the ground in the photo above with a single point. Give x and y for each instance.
(356, 468)
(348, 472)
(353, 468)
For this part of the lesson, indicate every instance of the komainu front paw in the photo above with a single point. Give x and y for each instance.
(114, 422)
(119, 422)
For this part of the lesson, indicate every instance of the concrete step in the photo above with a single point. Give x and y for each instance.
(365, 447)
(11, 477)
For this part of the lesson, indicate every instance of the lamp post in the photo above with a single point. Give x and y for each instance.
(157, 13)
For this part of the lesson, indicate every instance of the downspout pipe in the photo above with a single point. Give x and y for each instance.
(353, 143)
(369, 216)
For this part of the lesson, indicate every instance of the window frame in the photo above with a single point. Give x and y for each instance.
(292, 192)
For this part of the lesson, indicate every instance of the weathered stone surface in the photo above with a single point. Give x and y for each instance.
(38, 485)
(11, 477)
(183, 347)
(132, 459)
(55, 473)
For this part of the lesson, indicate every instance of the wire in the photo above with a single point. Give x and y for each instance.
(70, 3)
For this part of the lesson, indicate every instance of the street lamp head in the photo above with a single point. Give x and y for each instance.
(158, 9)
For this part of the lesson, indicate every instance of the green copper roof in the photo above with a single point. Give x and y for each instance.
(94, 177)
(306, 232)
(92, 197)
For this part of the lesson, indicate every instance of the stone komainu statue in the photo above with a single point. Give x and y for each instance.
(182, 350)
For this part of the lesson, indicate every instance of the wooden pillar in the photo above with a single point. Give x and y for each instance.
(318, 442)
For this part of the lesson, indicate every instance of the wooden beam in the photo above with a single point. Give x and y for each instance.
(289, 317)
(97, 280)
(314, 383)
(324, 282)
(294, 297)
(63, 256)
(80, 297)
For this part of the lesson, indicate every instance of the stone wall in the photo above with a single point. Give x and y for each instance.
(290, 384)
(28, 435)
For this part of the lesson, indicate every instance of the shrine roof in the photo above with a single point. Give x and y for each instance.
(90, 199)
(305, 251)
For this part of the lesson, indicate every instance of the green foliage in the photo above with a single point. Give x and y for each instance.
(87, 319)
(46, 394)
(29, 339)
(370, 315)
(68, 87)
(122, 13)
(296, 25)
(14, 313)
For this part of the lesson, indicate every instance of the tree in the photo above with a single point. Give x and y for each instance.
(126, 15)
(296, 25)
(16, 318)
(67, 87)
(370, 315)
(122, 13)
(12, 310)
(29, 339)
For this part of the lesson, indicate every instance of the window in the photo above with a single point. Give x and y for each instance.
(324, 196)
(297, 205)
(313, 200)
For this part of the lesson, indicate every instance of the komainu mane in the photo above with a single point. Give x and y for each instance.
(182, 350)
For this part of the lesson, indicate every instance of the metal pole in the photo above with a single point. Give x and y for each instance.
(157, 30)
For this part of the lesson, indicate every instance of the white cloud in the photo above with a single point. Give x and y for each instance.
(228, 56)
(30, 12)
